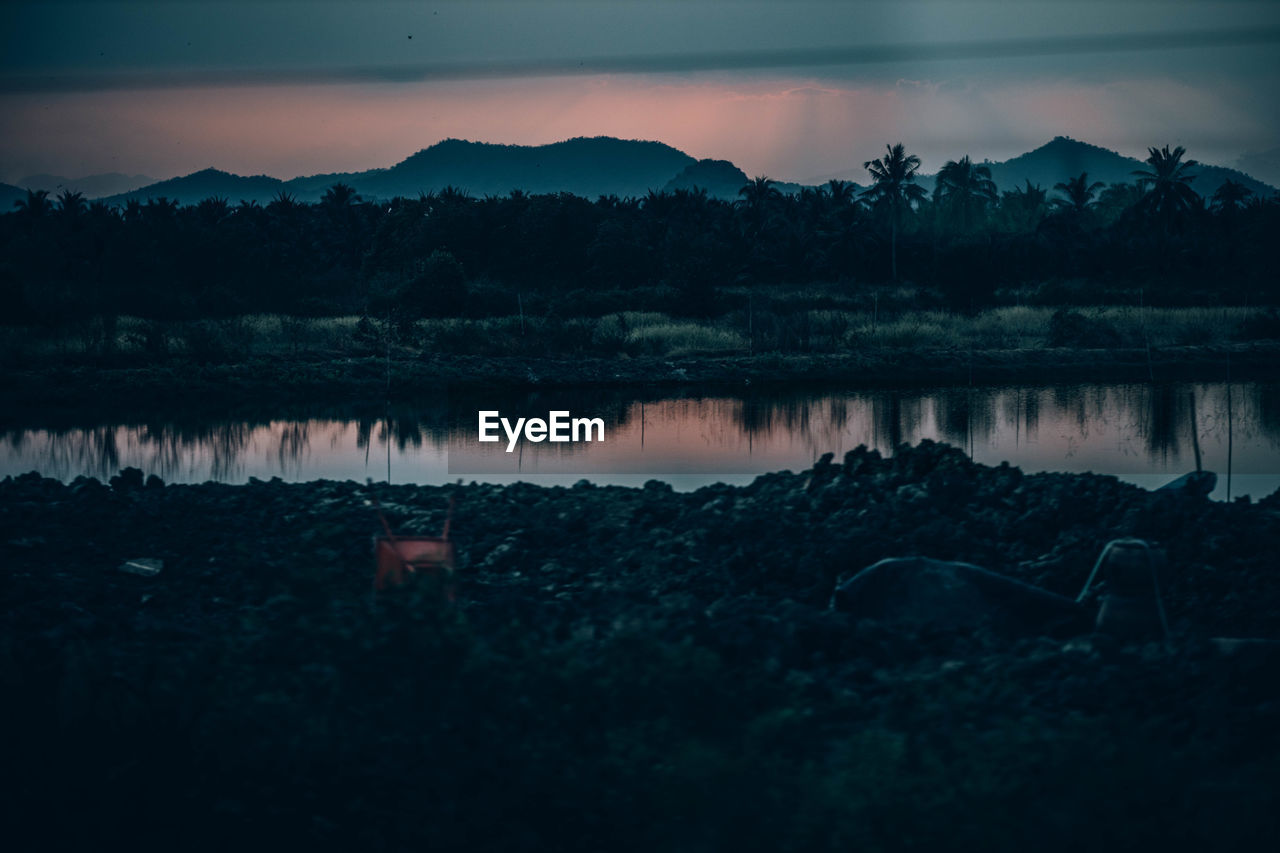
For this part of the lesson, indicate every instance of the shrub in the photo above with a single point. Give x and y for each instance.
(1073, 329)
(151, 337)
(213, 341)
(439, 291)
(1262, 326)
(683, 338)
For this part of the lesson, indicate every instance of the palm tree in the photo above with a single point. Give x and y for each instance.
(160, 210)
(213, 210)
(452, 196)
(843, 193)
(965, 190)
(759, 193)
(35, 206)
(1231, 196)
(70, 204)
(759, 198)
(1079, 193)
(132, 211)
(283, 202)
(100, 211)
(1168, 185)
(1117, 199)
(340, 196)
(1023, 208)
(894, 188)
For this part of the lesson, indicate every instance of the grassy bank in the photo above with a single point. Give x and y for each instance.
(136, 342)
(153, 367)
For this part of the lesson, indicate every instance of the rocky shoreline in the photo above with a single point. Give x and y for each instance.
(633, 668)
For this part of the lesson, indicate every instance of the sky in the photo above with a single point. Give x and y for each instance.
(799, 90)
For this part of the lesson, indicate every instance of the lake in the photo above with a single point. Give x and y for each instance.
(1140, 433)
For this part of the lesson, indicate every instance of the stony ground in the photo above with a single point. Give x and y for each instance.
(628, 668)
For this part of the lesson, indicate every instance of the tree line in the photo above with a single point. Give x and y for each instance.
(448, 254)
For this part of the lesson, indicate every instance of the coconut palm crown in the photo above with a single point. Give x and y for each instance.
(1079, 193)
(1167, 184)
(894, 188)
(964, 190)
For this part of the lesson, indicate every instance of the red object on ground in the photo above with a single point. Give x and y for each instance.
(396, 557)
(400, 556)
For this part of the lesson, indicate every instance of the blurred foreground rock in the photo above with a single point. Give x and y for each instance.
(922, 593)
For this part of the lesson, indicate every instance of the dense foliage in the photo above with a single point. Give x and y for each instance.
(447, 254)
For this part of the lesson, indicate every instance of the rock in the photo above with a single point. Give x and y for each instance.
(145, 566)
(1130, 609)
(1196, 484)
(504, 553)
(925, 593)
(911, 493)
(128, 480)
(1236, 646)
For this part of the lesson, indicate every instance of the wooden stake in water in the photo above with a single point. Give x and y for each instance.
(1146, 338)
(1195, 432)
(386, 339)
(1230, 436)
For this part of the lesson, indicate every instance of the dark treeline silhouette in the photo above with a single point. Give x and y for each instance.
(448, 254)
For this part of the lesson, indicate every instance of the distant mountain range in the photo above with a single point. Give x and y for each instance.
(91, 186)
(592, 167)
(8, 195)
(1062, 158)
(1263, 165)
(586, 167)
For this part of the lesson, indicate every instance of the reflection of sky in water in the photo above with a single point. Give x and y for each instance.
(1139, 433)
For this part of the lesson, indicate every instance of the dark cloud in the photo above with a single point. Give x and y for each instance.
(661, 63)
(785, 86)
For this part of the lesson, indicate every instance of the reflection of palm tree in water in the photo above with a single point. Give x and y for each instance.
(1147, 421)
(404, 432)
(295, 442)
(1167, 414)
(886, 415)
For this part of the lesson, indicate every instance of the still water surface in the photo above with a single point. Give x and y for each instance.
(1140, 433)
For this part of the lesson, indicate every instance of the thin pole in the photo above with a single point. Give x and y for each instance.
(1230, 436)
(1146, 338)
(1195, 430)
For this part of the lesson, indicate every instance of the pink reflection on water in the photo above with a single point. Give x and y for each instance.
(1139, 433)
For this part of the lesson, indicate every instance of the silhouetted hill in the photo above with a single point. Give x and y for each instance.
(720, 178)
(91, 186)
(1263, 165)
(8, 195)
(603, 165)
(208, 183)
(586, 167)
(1064, 158)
